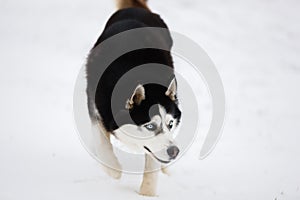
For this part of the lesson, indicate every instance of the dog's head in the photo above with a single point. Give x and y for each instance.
(154, 110)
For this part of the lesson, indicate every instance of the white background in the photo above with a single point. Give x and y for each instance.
(255, 45)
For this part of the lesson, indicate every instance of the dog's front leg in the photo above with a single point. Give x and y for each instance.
(105, 153)
(149, 184)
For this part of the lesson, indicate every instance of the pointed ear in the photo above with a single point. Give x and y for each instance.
(137, 97)
(172, 90)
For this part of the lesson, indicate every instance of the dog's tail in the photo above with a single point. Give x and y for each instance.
(121, 4)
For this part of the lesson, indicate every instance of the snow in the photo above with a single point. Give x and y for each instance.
(255, 46)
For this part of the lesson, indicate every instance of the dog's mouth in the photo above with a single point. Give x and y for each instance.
(160, 160)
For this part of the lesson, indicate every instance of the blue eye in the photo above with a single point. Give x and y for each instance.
(150, 127)
(170, 125)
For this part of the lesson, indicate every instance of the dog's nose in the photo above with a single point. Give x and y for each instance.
(173, 152)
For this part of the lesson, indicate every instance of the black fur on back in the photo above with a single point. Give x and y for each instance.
(120, 21)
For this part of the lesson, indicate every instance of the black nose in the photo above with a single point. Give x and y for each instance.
(173, 152)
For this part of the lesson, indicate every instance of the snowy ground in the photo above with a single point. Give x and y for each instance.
(255, 45)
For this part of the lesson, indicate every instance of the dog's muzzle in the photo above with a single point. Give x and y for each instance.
(173, 152)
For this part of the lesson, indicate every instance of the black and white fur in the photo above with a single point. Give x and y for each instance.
(159, 124)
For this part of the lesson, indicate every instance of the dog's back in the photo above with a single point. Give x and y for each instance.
(132, 14)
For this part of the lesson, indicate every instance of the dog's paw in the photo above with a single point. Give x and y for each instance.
(147, 193)
(165, 171)
(148, 189)
(116, 174)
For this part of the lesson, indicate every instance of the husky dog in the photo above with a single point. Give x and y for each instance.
(153, 108)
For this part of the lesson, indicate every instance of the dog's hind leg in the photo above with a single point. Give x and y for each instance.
(121, 4)
(149, 184)
(104, 152)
